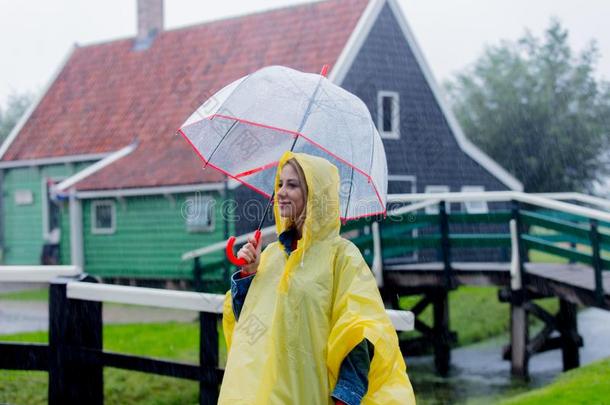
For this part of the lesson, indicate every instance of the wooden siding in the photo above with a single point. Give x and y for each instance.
(427, 148)
(149, 239)
(23, 238)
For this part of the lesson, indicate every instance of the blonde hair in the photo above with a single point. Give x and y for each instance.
(298, 222)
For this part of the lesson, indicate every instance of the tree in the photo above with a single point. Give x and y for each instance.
(16, 105)
(538, 110)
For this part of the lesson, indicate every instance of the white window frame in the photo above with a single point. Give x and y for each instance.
(474, 207)
(395, 133)
(103, 231)
(192, 201)
(434, 209)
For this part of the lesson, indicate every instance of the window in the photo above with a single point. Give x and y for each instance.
(199, 213)
(433, 209)
(475, 207)
(103, 217)
(388, 114)
(24, 197)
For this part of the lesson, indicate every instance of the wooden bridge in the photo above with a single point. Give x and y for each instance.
(542, 247)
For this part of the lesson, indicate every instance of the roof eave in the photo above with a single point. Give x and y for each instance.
(96, 167)
(144, 191)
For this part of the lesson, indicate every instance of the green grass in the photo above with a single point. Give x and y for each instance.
(176, 341)
(475, 313)
(585, 385)
(27, 295)
(589, 384)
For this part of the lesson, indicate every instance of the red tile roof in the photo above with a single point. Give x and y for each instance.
(107, 95)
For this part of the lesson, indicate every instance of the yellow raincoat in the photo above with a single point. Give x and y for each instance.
(304, 313)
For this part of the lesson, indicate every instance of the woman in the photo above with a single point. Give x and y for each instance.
(312, 328)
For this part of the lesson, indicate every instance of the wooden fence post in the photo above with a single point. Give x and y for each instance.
(208, 358)
(597, 263)
(75, 344)
(445, 245)
(442, 335)
(570, 340)
(519, 336)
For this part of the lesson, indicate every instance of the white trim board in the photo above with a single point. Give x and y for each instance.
(130, 192)
(97, 166)
(351, 50)
(402, 177)
(10, 164)
(26, 116)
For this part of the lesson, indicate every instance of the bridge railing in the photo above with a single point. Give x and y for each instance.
(547, 225)
(568, 231)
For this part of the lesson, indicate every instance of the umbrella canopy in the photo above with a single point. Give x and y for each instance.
(244, 129)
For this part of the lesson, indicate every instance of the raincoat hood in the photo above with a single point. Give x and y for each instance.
(322, 178)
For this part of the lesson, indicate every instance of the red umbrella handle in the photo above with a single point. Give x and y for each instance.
(229, 250)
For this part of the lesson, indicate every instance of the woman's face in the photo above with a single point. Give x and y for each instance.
(290, 193)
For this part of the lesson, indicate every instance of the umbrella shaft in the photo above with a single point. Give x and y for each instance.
(301, 126)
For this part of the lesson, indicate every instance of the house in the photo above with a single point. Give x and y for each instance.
(104, 131)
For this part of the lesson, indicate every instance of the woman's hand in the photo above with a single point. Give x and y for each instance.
(251, 252)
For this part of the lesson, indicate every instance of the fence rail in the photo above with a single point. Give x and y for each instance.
(75, 359)
(36, 274)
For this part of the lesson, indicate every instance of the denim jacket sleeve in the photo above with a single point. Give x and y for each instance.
(239, 290)
(353, 381)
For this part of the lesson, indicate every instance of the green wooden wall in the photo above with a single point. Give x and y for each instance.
(149, 239)
(23, 238)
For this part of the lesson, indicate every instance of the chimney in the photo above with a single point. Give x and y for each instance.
(150, 23)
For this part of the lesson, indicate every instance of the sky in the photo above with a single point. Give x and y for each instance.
(36, 35)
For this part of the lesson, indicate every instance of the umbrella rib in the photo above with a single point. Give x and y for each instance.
(301, 126)
(218, 144)
(307, 111)
(349, 194)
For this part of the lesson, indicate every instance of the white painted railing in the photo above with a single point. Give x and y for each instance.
(583, 198)
(36, 274)
(152, 297)
(200, 302)
(499, 196)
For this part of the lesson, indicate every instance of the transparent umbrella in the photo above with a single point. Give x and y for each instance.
(244, 129)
